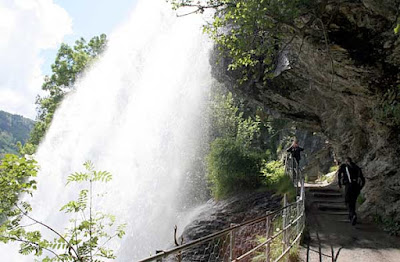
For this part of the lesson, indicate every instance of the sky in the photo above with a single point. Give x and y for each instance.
(31, 32)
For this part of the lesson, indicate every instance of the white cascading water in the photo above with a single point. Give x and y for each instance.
(138, 114)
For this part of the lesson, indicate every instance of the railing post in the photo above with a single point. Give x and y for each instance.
(285, 223)
(298, 212)
(268, 227)
(232, 243)
(284, 217)
(158, 252)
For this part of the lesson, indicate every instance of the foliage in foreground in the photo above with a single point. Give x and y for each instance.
(16, 177)
(89, 230)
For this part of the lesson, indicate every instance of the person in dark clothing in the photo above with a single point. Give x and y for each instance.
(350, 175)
(295, 150)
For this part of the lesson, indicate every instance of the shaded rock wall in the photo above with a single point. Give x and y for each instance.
(336, 88)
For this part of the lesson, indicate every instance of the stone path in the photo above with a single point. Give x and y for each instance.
(331, 237)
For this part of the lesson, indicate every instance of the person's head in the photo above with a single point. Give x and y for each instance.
(295, 142)
(348, 160)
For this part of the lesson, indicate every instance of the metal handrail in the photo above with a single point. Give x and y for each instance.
(227, 231)
(269, 240)
(215, 235)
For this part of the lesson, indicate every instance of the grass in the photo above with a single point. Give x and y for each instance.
(275, 180)
(276, 245)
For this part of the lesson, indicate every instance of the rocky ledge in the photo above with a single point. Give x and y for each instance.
(340, 71)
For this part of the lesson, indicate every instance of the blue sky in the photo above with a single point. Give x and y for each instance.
(90, 18)
(32, 31)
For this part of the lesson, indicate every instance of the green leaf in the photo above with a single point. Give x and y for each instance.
(397, 29)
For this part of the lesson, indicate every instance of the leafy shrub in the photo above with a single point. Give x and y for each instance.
(276, 180)
(16, 177)
(389, 224)
(229, 120)
(273, 171)
(361, 199)
(388, 112)
(232, 167)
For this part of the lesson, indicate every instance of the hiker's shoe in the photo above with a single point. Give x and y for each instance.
(354, 220)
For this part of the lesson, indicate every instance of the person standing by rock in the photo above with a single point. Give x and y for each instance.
(295, 150)
(351, 176)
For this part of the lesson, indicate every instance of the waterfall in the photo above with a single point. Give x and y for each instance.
(137, 112)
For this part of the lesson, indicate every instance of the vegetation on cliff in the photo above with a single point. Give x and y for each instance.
(340, 77)
(237, 160)
(251, 33)
(13, 129)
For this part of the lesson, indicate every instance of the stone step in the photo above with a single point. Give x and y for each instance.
(332, 213)
(331, 207)
(327, 195)
(324, 190)
(327, 201)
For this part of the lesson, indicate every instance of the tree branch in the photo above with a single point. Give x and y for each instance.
(51, 229)
(32, 243)
(105, 242)
(200, 8)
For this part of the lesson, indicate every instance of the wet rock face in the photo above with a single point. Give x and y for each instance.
(219, 215)
(335, 88)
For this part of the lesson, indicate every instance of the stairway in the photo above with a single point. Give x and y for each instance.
(330, 237)
(328, 201)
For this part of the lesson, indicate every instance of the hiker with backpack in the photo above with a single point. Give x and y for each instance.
(351, 176)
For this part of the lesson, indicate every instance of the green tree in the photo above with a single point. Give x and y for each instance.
(89, 232)
(233, 164)
(232, 168)
(252, 32)
(238, 160)
(229, 121)
(16, 177)
(70, 63)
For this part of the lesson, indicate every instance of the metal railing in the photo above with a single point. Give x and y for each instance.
(266, 238)
(292, 169)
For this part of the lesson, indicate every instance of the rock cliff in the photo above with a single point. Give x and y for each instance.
(339, 71)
